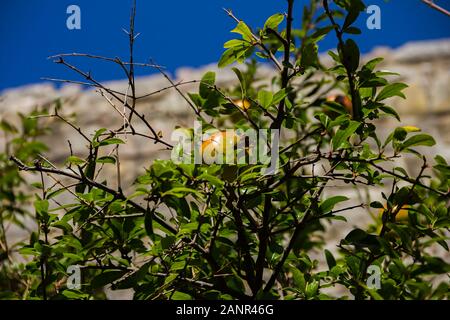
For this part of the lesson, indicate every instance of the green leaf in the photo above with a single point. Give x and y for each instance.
(329, 203)
(208, 80)
(390, 111)
(37, 185)
(353, 13)
(241, 80)
(334, 56)
(111, 141)
(177, 295)
(374, 294)
(89, 170)
(376, 205)
(418, 140)
(338, 218)
(352, 30)
(280, 95)
(235, 43)
(7, 127)
(196, 99)
(392, 90)
(274, 21)
(443, 169)
(75, 160)
(132, 279)
(372, 63)
(356, 235)
(179, 192)
(180, 205)
(440, 160)
(331, 262)
(178, 265)
(55, 193)
(107, 277)
(170, 278)
(343, 134)
(41, 207)
(235, 283)
(148, 223)
(265, 98)
(98, 133)
(442, 166)
(400, 134)
(311, 289)
(351, 55)
(63, 226)
(299, 279)
(167, 241)
(71, 294)
(361, 238)
(211, 179)
(320, 33)
(244, 30)
(309, 55)
(230, 56)
(106, 159)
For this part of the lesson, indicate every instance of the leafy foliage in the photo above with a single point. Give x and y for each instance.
(198, 231)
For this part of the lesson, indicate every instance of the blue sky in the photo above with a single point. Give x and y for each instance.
(174, 33)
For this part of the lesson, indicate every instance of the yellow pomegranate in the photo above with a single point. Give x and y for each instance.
(342, 100)
(402, 214)
(217, 145)
(244, 104)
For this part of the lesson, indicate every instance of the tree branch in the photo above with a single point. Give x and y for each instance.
(356, 103)
(285, 71)
(436, 7)
(84, 179)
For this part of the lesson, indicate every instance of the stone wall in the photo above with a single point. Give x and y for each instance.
(424, 66)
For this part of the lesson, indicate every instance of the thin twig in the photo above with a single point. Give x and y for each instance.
(84, 179)
(93, 56)
(258, 40)
(173, 84)
(436, 7)
(88, 77)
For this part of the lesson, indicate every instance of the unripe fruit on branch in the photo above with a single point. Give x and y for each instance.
(218, 145)
(243, 104)
(402, 214)
(342, 100)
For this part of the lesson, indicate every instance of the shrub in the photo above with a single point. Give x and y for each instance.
(233, 231)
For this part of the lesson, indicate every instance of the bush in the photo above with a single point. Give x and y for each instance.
(189, 230)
